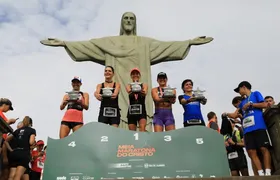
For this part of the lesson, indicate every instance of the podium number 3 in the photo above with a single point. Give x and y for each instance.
(72, 144)
(167, 138)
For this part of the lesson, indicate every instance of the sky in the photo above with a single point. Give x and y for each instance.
(35, 77)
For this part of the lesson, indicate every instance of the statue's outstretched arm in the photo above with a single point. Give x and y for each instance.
(201, 40)
(53, 42)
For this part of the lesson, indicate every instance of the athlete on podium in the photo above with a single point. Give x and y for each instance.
(107, 92)
(137, 94)
(163, 97)
(76, 101)
(191, 105)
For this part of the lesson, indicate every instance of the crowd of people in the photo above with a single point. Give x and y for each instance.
(21, 156)
(244, 128)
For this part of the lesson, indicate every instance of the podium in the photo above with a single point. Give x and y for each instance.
(99, 151)
(272, 118)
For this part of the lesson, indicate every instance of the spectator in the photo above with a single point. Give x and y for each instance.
(236, 156)
(37, 161)
(269, 100)
(236, 102)
(254, 127)
(192, 108)
(213, 121)
(5, 106)
(20, 155)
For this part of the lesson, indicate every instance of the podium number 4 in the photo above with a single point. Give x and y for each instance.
(72, 144)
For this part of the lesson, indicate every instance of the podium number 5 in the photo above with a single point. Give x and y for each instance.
(167, 138)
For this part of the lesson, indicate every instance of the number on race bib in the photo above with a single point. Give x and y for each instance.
(72, 144)
(136, 135)
(167, 138)
(104, 138)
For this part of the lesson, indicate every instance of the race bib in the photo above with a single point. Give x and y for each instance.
(194, 121)
(40, 164)
(248, 121)
(135, 109)
(233, 155)
(110, 112)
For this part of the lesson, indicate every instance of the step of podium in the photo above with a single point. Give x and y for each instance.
(99, 151)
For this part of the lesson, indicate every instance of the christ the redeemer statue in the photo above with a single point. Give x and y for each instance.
(125, 52)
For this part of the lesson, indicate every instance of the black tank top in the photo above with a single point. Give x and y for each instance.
(108, 101)
(75, 105)
(137, 98)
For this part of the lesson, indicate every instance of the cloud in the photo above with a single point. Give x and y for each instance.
(35, 77)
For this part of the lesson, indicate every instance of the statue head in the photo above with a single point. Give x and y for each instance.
(128, 24)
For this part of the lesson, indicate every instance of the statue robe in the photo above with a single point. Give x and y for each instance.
(127, 52)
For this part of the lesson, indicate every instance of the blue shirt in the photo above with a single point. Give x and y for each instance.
(253, 117)
(192, 109)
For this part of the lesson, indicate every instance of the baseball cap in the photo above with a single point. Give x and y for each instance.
(76, 78)
(40, 142)
(243, 83)
(134, 69)
(162, 75)
(7, 102)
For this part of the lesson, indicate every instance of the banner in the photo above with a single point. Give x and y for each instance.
(99, 151)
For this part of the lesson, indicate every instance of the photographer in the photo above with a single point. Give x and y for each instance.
(5, 106)
(20, 154)
(73, 117)
(36, 161)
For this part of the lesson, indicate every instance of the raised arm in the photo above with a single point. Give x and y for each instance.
(233, 115)
(155, 96)
(144, 89)
(97, 94)
(128, 88)
(173, 100)
(117, 90)
(64, 102)
(183, 101)
(86, 102)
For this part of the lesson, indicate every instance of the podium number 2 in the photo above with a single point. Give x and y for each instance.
(72, 144)
(104, 138)
(167, 138)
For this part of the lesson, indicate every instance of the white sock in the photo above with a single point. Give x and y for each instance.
(268, 172)
(260, 172)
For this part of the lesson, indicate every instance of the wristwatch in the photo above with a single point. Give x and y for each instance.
(251, 104)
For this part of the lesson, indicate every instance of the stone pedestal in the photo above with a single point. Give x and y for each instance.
(272, 118)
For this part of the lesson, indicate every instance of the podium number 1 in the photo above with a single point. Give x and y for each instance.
(136, 135)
